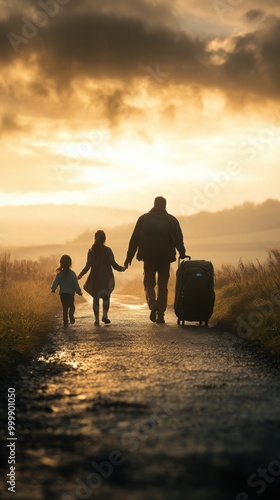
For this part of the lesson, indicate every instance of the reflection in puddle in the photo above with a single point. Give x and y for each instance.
(74, 364)
(124, 301)
(59, 356)
(82, 397)
(134, 307)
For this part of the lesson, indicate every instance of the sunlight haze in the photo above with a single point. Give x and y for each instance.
(109, 104)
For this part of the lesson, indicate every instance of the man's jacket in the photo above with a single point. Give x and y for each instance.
(156, 236)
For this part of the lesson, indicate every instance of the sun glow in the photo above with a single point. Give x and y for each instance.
(129, 162)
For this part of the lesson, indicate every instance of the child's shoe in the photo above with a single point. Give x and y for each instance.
(106, 320)
(71, 317)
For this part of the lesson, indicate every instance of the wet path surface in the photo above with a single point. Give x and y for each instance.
(144, 411)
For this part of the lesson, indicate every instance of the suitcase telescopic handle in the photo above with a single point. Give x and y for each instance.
(188, 257)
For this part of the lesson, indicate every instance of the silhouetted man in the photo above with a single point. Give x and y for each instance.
(157, 235)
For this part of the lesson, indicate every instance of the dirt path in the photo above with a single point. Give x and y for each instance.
(144, 411)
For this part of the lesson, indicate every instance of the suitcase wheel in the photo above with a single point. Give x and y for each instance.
(179, 321)
(206, 323)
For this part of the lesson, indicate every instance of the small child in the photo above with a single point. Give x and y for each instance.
(100, 282)
(68, 284)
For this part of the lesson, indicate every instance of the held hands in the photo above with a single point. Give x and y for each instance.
(79, 277)
(127, 263)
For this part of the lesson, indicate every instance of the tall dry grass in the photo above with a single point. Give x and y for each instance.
(27, 307)
(248, 300)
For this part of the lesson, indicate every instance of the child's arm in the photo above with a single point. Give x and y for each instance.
(113, 263)
(55, 284)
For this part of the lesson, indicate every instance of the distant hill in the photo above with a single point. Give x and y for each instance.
(246, 232)
(246, 218)
(241, 219)
(53, 224)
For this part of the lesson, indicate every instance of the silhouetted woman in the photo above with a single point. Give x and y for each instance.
(100, 282)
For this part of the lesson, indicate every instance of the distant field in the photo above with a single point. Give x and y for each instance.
(229, 249)
(248, 241)
(220, 249)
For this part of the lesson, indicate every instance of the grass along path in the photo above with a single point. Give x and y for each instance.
(247, 300)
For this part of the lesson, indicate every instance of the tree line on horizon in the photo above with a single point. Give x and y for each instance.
(245, 218)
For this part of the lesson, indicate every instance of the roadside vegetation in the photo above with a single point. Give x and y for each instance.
(27, 308)
(247, 304)
(247, 300)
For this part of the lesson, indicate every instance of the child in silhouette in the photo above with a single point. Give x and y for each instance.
(100, 282)
(68, 284)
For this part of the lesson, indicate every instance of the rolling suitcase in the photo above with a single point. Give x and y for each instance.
(195, 295)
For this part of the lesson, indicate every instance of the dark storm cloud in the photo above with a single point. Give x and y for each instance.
(256, 59)
(254, 15)
(99, 46)
(270, 55)
(107, 46)
(100, 42)
(154, 11)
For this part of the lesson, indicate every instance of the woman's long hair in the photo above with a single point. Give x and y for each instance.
(65, 264)
(99, 240)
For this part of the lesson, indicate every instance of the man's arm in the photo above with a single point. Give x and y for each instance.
(178, 238)
(134, 241)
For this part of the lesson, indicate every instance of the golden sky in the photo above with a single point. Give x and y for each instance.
(111, 103)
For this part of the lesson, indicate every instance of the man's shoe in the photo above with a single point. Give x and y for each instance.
(153, 315)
